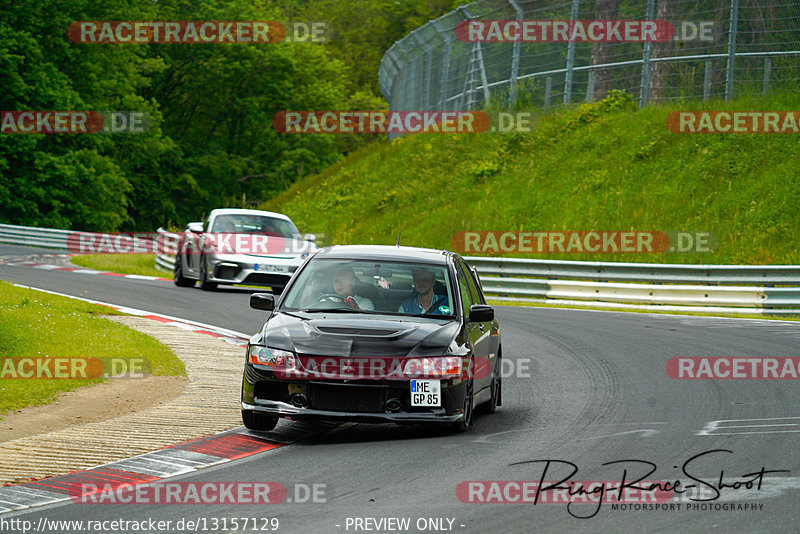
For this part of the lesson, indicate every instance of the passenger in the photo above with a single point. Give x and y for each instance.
(426, 301)
(344, 283)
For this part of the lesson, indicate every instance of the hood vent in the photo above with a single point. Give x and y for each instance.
(366, 332)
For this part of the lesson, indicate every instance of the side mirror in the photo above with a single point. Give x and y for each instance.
(481, 313)
(262, 301)
(310, 237)
(195, 227)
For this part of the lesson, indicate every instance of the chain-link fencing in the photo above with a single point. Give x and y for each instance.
(714, 49)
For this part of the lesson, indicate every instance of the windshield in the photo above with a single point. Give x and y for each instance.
(235, 223)
(370, 287)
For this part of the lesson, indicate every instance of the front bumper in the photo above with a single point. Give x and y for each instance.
(252, 270)
(306, 414)
(376, 401)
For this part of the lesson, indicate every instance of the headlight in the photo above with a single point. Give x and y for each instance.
(261, 355)
(442, 367)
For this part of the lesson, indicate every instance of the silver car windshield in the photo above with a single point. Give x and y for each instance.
(360, 286)
(235, 223)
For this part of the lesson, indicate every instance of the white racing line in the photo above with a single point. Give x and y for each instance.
(235, 338)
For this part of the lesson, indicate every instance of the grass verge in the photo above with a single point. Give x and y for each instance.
(39, 325)
(143, 264)
(605, 166)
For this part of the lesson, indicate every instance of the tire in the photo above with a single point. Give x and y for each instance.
(204, 284)
(495, 400)
(463, 424)
(258, 421)
(177, 274)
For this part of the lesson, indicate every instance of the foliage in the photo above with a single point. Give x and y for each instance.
(606, 166)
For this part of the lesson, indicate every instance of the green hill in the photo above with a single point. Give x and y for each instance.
(606, 166)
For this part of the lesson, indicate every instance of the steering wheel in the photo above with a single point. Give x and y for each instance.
(326, 298)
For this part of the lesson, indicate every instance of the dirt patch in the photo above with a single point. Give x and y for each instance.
(91, 404)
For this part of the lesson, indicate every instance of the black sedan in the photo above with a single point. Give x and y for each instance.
(374, 334)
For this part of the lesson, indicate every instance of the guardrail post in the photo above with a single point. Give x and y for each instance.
(515, 52)
(570, 57)
(734, 21)
(767, 73)
(644, 91)
(707, 81)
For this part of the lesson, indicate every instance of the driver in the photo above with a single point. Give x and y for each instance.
(344, 283)
(425, 299)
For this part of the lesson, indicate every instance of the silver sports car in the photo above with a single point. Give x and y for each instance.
(240, 246)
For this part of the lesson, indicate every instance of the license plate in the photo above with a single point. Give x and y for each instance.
(267, 267)
(426, 393)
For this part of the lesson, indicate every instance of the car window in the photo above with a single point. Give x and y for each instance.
(254, 224)
(474, 286)
(463, 286)
(397, 288)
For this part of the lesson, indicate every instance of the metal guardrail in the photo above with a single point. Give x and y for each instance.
(166, 261)
(35, 237)
(766, 289)
(69, 240)
(690, 287)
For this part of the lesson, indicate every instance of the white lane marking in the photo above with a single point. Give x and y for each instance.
(713, 428)
(646, 433)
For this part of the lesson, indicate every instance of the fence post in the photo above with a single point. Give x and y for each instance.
(548, 87)
(515, 52)
(734, 21)
(767, 72)
(445, 67)
(468, 72)
(405, 76)
(570, 56)
(644, 91)
(476, 58)
(707, 81)
(590, 87)
(428, 70)
(393, 94)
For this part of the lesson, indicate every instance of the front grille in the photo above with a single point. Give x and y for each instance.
(266, 279)
(347, 398)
